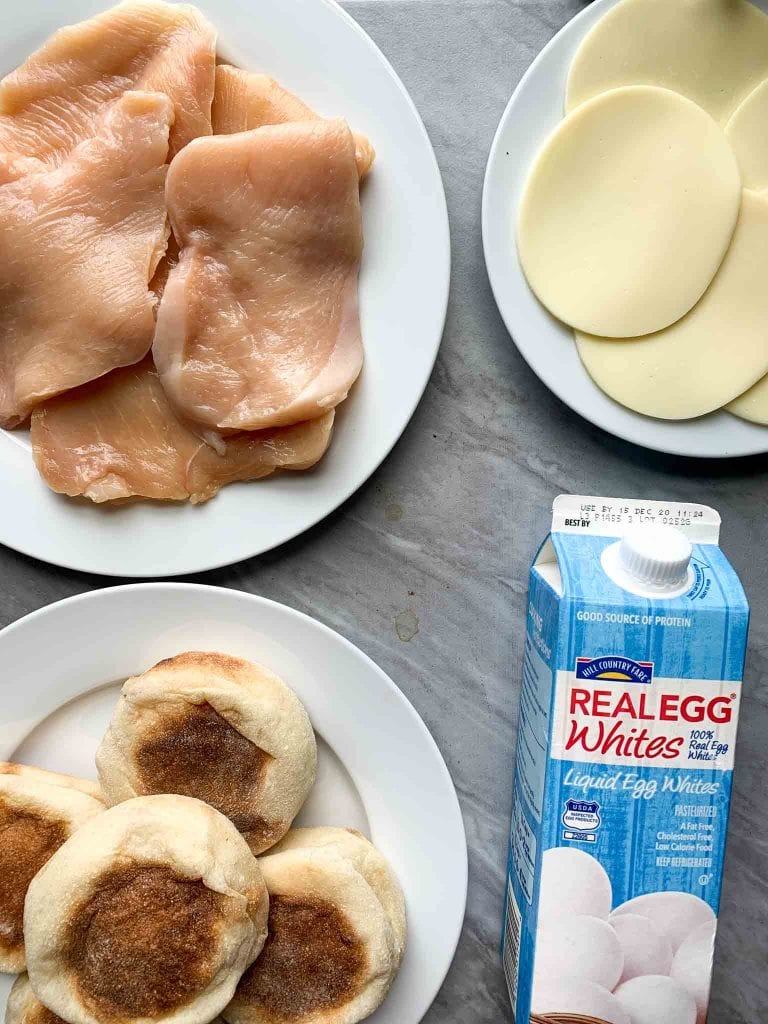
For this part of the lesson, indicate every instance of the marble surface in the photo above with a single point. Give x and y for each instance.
(425, 567)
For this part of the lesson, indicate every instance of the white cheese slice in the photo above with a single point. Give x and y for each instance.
(753, 404)
(628, 212)
(712, 355)
(713, 51)
(748, 134)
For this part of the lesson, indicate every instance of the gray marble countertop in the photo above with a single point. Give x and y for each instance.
(425, 568)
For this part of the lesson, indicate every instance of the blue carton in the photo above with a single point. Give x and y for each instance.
(634, 656)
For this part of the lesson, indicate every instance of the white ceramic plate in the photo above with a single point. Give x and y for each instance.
(316, 49)
(546, 344)
(379, 768)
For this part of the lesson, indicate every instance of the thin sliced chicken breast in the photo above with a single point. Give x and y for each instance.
(48, 104)
(118, 438)
(244, 100)
(258, 453)
(258, 325)
(169, 260)
(78, 245)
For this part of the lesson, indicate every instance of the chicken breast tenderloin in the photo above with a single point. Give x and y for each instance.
(258, 325)
(118, 438)
(78, 244)
(244, 100)
(48, 105)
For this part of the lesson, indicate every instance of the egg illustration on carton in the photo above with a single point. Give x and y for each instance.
(633, 663)
(619, 966)
(645, 947)
(691, 966)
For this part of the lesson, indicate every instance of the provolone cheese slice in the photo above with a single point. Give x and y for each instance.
(748, 133)
(714, 354)
(628, 212)
(713, 51)
(753, 404)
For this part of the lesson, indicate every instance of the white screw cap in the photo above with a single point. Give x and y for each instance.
(655, 555)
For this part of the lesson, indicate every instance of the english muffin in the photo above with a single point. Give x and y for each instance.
(331, 955)
(367, 859)
(28, 771)
(217, 728)
(25, 1008)
(151, 912)
(39, 811)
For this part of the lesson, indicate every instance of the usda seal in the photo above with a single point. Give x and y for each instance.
(581, 819)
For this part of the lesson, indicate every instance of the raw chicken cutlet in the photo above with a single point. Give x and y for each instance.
(48, 105)
(244, 100)
(78, 245)
(117, 438)
(258, 325)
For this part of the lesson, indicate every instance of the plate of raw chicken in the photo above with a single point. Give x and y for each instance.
(225, 273)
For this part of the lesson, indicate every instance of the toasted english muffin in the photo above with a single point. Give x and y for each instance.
(367, 859)
(39, 811)
(331, 954)
(150, 912)
(214, 727)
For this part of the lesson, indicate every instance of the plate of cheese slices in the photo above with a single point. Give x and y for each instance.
(223, 811)
(625, 222)
(225, 274)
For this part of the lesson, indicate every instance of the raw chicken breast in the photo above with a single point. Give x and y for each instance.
(252, 455)
(244, 100)
(169, 260)
(48, 105)
(77, 246)
(117, 438)
(258, 325)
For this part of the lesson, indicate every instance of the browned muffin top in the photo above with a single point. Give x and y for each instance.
(312, 960)
(143, 942)
(196, 752)
(27, 841)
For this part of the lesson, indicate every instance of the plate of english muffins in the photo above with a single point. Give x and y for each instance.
(214, 808)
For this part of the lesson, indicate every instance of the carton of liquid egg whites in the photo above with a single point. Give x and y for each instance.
(631, 682)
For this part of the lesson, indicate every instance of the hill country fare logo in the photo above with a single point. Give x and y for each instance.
(612, 666)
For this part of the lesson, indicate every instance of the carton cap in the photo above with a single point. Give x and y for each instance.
(651, 559)
(656, 554)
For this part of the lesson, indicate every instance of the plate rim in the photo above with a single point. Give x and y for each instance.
(210, 592)
(618, 429)
(182, 565)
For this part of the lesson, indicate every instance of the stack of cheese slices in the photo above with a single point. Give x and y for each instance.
(644, 222)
